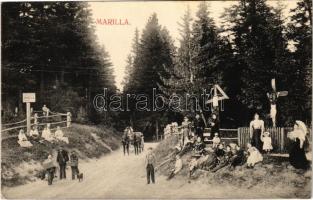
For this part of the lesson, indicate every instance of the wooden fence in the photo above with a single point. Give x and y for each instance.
(280, 142)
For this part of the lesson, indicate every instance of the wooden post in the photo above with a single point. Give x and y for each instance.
(238, 136)
(282, 132)
(28, 117)
(68, 119)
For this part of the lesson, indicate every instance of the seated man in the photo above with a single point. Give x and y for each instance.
(46, 134)
(60, 136)
(177, 168)
(34, 134)
(22, 139)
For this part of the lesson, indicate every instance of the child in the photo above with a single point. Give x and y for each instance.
(150, 163)
(267, 142)
(216, 140)
(254, 156)
(74, 164)
(177, 168)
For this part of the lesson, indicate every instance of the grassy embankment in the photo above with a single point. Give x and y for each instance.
(20, 165)
(273, 174)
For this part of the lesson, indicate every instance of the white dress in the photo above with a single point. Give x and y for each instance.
(47, 135)
(216, 141)
(254, 156)
(22, 140)
(60, 136)
(267, 143)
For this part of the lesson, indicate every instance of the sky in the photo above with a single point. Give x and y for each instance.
(117, 39)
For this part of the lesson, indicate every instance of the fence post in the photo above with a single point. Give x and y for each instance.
(35, 119)
(282, 133)
(238, 135)
(68, 119)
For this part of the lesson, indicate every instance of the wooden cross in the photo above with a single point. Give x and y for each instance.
(273, 97)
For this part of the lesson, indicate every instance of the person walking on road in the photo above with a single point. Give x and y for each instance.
(49, 169)
(125, 142)
(74, 164)
(150, 163)
(62, 159)
(136, 144)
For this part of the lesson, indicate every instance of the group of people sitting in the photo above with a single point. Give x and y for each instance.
(218, 155)
(134, 138)
(47, 134)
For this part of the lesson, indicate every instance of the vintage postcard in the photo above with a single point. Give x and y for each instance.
(156, 99)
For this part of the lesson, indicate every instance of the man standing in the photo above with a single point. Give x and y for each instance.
(150, 163)
(62, 159)
(214, 125)
(199, 126)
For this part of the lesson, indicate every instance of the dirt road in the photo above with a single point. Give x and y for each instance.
(118, 176)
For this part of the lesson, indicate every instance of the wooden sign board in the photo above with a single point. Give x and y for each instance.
(29, 97)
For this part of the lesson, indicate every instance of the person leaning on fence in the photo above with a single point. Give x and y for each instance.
(62, 159)
(74, 164)
(45, 110)
(150, 163)
(22, 139)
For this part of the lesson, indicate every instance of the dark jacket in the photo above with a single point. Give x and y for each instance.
(215, 128)
(198, 123)
(62, 157)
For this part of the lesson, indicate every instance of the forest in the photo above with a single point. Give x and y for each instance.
(51, 48)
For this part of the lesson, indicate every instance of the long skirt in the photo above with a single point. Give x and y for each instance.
(256, 139)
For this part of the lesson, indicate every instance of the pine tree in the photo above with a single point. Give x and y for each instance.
(259, 46)
(300, 70)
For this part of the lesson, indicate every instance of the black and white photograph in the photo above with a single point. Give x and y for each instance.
(156, 99)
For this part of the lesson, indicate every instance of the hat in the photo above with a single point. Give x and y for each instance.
(267, 133)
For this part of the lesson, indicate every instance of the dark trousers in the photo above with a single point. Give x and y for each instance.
(136, 148)
(150, 173)
(50, 173)
(126, 148)
(62, 171)
(75, 171)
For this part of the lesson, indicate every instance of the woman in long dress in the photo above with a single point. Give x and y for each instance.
(297, 156)
(256, 131)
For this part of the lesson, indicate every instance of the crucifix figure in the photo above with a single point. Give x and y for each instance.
(217, 95)
(273, 97)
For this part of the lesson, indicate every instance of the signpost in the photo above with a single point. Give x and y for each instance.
(28, 98)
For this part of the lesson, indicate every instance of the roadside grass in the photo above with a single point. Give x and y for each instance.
(20, 165)
(273, 174)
